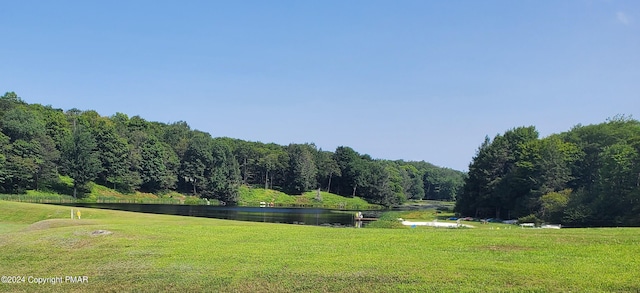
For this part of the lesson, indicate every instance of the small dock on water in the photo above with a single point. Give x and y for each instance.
(366, 219)
(359, 217)
(359, 220)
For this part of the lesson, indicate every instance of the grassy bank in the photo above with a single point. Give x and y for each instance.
(101, 194)
(148, 252)
(247, 196)
(253, 196)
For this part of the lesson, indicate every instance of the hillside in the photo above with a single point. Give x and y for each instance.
(254, 196)
(247, 197)
(131, 155)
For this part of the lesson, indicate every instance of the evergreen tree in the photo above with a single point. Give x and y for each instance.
(302, 172)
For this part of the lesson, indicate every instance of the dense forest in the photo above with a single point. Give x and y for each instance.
(587, 176)
(40, 143)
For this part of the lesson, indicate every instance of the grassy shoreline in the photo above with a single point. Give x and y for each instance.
(247, 197)
(148, 252)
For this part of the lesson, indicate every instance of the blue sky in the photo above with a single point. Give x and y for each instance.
(412, 80)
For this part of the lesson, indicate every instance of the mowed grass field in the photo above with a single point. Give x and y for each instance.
(159, 253)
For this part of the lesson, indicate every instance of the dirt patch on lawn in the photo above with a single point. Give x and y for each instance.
(100, 232)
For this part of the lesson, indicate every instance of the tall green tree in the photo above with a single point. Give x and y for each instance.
(604, 190)
(21, 123)
(302, 173)
(327, 168)
(156, 158)
(224, 179)
(618, 185)
(31, 156)
(383, 184)
(177, 136)
(498, 180)
(9, 101)
(248, 154)
(413, 184)
(80, 159)
(22, 160)
(196, 161)
(353, 170)
(269, 163)
(112, 151)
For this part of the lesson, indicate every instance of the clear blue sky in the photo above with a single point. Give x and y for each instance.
(412, 80)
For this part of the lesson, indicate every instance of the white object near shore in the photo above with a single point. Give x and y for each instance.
(71, 214)
(435, 224)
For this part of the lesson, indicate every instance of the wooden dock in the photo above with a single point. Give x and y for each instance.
(366, 219)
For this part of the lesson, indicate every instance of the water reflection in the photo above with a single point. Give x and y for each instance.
(301, 216)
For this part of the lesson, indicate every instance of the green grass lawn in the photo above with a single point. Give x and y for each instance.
(149, 252)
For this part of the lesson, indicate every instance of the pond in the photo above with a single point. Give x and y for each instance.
(301, 216)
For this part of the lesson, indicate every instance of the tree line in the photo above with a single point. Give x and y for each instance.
(40, 143)
(587, 176)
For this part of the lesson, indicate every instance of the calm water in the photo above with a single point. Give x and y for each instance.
(305, 216)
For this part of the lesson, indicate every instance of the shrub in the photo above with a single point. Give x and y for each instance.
(387, 220)
(530, 219)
